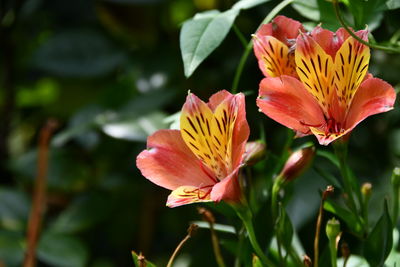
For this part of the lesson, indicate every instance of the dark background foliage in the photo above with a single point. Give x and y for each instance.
(110, 72)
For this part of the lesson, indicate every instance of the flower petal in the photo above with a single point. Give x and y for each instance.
(217, 99)
(325, 138)
(286, 100)
(169, 163)
(241, 131)
(274, 57)
(374, 96)
(184, 195)
(228, 189)
(314, 67)
(282, 28)
(351, 66)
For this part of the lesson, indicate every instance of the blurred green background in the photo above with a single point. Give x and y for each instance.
(110, 72)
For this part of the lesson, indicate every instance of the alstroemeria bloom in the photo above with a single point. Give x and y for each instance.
(273, 46)
(200, 162)
(333, 93)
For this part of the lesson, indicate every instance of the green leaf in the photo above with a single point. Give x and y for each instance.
(329, 156)
(393, 4)
(202, 34)
(217, 227)
(82, 213)
(11, 248)
(367, 12)
(62, 250)
(319, 11)
(380, 241)
(247, 4)
(83, 53)
(136, 260)
(349, 218)
(14, 209)
(285, 228)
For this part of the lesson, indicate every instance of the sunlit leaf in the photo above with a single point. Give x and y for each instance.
(246, 4)
(137, 129)
(202, 34)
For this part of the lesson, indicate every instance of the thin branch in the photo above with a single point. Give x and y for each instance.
(39, 195)
(191, 230)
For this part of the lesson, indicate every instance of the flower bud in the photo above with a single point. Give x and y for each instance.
(254, 152)
(333, 230)
(297, 163)
(366, 189)
(307, 261)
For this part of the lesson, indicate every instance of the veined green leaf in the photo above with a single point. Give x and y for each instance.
(202, 34)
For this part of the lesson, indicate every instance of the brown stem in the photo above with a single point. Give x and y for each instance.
(328, 191)
(39, 194)
(209, 217)
(192, 228)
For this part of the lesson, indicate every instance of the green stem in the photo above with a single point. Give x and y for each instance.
(245, 215)
(216, 248)
(239, 247)
(341, 153)
(240, 36)
(333, 251)
(374, 46)
(249, 45)
(396, 195)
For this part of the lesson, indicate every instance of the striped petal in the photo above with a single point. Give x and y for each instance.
(274, 57)
(314, 67)
(210, 134)
(351, 66)
(184, 195)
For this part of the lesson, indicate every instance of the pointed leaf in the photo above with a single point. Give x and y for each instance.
(380, 241)
(203, 34)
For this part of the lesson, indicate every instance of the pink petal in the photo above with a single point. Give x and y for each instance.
(331, 42)
(282, 28)
(373, 96)
(169, 163)
(228, 189)
(217, 99)
(286, 100)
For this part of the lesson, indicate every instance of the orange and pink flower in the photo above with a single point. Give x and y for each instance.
(274, 44)
(201, 161)
(333, 92)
